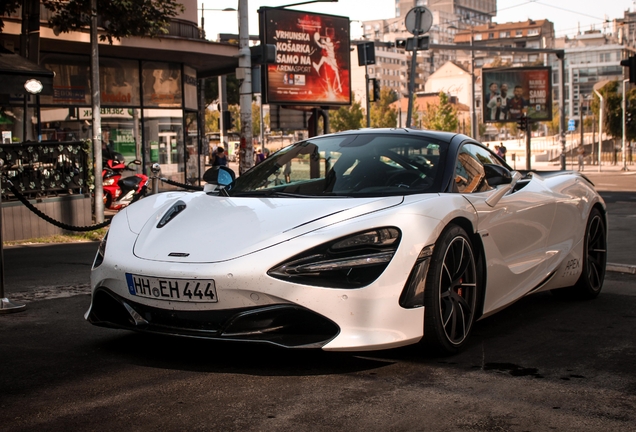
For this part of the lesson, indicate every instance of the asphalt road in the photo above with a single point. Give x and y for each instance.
(542, 364)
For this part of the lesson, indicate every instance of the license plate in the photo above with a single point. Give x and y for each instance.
(185, 290)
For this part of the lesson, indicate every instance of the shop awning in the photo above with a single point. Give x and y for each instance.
(21, 76)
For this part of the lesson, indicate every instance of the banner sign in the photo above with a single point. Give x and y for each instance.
(312, 58)
(509, 93)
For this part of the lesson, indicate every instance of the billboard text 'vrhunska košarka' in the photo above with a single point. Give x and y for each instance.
(510, 93)
(312, 58)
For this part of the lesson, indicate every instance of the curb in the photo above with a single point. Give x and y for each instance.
(621, 268)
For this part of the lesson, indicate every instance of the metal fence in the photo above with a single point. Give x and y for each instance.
(45, 169)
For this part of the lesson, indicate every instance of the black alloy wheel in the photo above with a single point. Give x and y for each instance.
(451, 292)
(594, 260)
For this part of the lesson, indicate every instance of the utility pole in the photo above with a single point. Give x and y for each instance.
(244, 74)
(561, 58)
(97, 118)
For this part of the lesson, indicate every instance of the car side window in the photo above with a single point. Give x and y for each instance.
(470, 176)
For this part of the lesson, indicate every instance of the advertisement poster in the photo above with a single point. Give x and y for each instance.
(513, 92)
(312, 58)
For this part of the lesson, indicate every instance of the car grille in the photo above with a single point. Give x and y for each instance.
(285, 325)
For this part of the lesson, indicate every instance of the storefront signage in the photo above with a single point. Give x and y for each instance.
(312, 58)
(87, 113)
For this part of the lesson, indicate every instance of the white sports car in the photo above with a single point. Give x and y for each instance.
(361, 240)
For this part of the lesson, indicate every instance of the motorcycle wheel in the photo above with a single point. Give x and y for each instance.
(108, 199)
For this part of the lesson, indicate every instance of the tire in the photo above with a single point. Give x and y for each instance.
(451, 293)
(590, 283)
(108, 200)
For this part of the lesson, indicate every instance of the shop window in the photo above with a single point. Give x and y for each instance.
(161, 84)
(163, 142)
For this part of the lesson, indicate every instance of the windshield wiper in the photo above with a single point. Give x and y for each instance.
(271, 193)
(274, 193)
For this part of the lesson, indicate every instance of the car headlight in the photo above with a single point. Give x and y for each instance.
(101, 250)
(353, 261)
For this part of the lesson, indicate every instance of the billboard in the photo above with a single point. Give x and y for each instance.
(509, 93)
(312, 58)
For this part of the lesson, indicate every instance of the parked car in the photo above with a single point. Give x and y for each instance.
(360, 240)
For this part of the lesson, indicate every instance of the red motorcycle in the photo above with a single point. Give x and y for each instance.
(121, 191)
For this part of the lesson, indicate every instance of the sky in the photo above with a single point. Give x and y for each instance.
(567, 15)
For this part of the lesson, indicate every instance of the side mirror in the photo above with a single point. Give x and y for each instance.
(497, 175)
(219, 175)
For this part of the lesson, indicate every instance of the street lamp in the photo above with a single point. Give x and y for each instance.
(203, 9)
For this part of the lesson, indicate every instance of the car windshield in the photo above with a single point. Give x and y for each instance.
(348, 165)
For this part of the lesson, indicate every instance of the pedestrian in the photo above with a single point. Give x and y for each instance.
(580, 151)
(219, 158)
(502, 151)
(260, 157)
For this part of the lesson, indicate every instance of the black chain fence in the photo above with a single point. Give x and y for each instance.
(39, 170)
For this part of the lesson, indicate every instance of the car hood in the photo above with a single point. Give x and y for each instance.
(216, 229)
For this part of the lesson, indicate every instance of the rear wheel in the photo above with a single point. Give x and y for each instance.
(451, 292)
(594, 260)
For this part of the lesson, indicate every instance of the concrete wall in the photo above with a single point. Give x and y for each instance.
(20, 223)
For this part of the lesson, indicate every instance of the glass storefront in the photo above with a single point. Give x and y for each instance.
(148, 111)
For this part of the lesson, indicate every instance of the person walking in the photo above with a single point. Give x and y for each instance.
(219, 158)
(580, 151)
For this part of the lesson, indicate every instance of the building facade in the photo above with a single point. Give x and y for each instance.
(149, 89)
(590, 58)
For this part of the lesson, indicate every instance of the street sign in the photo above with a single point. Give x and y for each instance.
(425, 22)
(571, 125)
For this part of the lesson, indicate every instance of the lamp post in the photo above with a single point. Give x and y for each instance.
(203, 9)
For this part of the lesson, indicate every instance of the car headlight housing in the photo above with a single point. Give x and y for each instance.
(101, 250)
(353, 261)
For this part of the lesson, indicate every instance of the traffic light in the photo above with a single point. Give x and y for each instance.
(375, 90)
(400, 43)
(630, 63)
(228, 121)
(522, 123)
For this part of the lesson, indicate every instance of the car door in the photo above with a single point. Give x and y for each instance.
(514, 231)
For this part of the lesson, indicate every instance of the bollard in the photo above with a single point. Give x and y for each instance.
(156, 169)
(6, 305)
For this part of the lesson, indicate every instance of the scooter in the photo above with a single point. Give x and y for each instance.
(121, 191)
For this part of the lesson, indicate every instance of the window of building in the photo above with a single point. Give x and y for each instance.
(504, 34)
(477, 37)
(533, 32)
(518, 33)
(491, 35)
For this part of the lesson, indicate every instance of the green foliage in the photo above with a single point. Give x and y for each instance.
(612, 109)
(382, 115)
(416, 116)
(118, 18)
(212, 90)
(211, 121)
(8, 7)
(347, 118)
(442, 117)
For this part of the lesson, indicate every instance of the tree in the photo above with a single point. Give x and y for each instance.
(382, 115)
(118, 18)
(347, 118)
(612, 109)
(212, 90)
(8, 7)
(442, 117)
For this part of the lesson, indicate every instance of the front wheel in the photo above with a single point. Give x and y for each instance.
(451, 292)
(108, 199)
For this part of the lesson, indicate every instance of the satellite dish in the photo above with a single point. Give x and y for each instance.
(425, 21)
